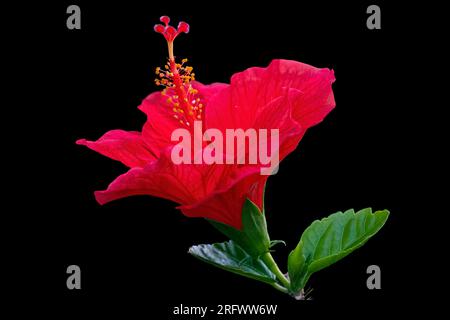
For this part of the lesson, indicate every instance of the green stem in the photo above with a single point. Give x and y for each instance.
(280, 288)
(272, 265)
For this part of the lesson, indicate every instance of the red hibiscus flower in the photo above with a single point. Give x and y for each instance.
(287, 95)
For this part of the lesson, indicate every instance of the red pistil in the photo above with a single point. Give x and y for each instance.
(169, 32)
(186, 105)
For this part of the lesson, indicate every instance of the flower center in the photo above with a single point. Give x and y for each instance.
(176, 78)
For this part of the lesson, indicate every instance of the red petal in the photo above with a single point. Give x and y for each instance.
(254, 88)
(126, 147)
(272, 116)
(206, 92)
(160, 179)
(256, 192)
(223, 114)
(160, 122)
(287, 95)
(225, 203)
(284, 93)
(211, 191)
(317, 98)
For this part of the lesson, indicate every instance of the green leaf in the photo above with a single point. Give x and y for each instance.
(253, 237)
(231, 257)
(328, 240)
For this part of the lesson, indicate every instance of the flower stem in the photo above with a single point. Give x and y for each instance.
(272, 265)
(280, 288)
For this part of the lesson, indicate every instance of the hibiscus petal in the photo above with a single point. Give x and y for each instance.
(277, 114)
(182, 183)
(206, 92)
(256, 192)
(225, 204)
(160, 123)
(161, 179)
(317, 98)
(211, 191)
(126, 147)
(251, 90)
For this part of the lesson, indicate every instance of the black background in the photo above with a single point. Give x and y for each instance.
(133, 252)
